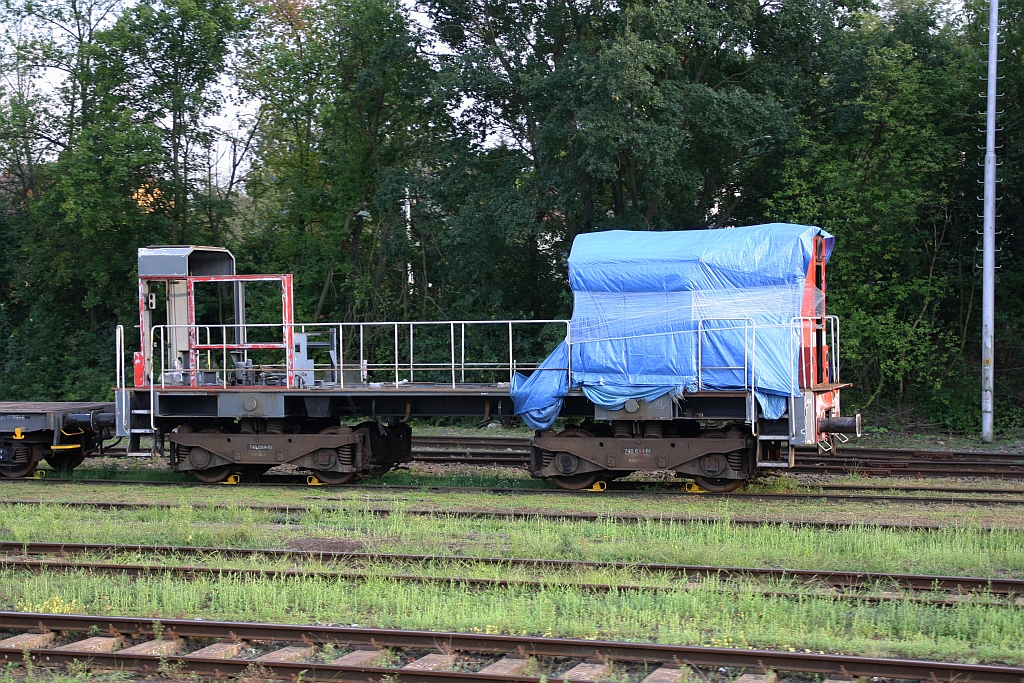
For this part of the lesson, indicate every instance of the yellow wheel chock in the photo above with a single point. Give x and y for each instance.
(232, 480)
(598, 487)
(38, 474)
(691, 487)
(311, 480)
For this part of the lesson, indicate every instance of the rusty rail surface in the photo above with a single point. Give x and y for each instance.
(521, 515)
(830, 578)
(191, 571)
(181, 641)
(820, 492)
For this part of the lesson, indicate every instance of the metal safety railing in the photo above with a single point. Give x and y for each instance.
(349, 354)
(813, 349)
(749, 330)
(813, 345)
(807, 334)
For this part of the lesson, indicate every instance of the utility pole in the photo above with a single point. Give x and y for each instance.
(988, 287)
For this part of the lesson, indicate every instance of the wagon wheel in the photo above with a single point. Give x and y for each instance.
(719, 484)
(66, 460)
(212, 475)
(25, 458)
(329, 477)
(584, 480)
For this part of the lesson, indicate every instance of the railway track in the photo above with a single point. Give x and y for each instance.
(614, 488)
(958, 585)
(514, 451)
(134, 569)
(288, 651)
(288, 511)
(819, 492)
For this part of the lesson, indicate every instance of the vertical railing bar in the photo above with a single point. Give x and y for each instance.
(462, 363)
(753, 372)
(396, 355)
(568, 345)
(163, 364)
(700, 355)
(118, 343)
(451, 336)
(341, 353)
(412, 361)
(511, 363)
(808, 372)
(361, 359)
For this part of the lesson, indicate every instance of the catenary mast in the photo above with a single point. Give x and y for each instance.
(989, 234)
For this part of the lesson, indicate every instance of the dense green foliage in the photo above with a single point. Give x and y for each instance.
(437, 163)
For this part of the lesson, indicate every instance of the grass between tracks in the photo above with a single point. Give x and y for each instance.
(698, 613)
(953, 550)
(961, 514)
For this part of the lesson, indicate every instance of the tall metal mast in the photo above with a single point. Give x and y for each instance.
(988, 287)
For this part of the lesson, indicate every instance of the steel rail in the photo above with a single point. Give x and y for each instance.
(650, 653)
(520, 515)
(831, 578)
(899, 471)
(825, 492)
(136, 570)
(523, 443)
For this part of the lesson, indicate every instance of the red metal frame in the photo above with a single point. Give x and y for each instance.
(287, 323)
(814, 351)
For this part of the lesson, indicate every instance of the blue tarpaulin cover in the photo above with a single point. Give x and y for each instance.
(642, 300)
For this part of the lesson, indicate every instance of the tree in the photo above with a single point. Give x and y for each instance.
(672, 114)
(883, 162)
(163, 59)
(344, 92)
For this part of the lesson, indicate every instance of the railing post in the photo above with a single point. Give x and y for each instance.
(700, 357)
(412, 361)
(511, 368)
(396, 355)
(451, 330)
(341, 352)
(119, 357)
(568, 345)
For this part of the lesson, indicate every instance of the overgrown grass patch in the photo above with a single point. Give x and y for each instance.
(867, 512)
(954, 550)
(700, 615)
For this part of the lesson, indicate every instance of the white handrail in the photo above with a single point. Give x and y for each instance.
(403, 336)
(119, 380)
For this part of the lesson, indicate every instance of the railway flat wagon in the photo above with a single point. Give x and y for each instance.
(62, 433)
(707, 353)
